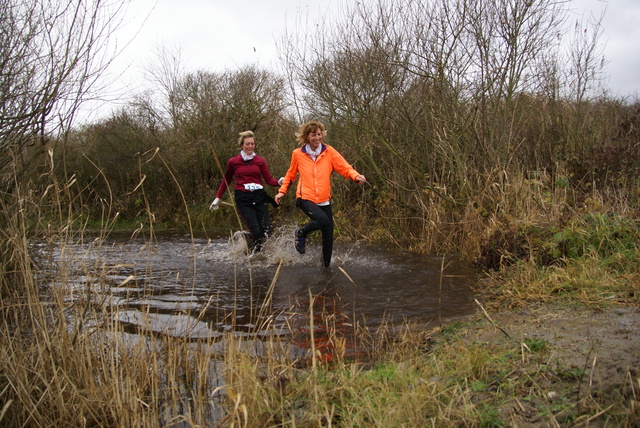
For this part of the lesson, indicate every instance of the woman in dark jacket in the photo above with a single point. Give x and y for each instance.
(248, 171)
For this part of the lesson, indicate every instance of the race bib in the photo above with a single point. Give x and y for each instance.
(252, 186)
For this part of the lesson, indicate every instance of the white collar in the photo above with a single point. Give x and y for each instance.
(314, 153)
(246, 156)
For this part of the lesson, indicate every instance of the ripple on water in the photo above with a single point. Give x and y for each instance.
(175, 279)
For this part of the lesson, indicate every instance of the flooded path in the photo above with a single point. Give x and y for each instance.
(200, 288)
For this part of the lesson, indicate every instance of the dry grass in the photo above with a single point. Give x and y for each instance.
(66, 361)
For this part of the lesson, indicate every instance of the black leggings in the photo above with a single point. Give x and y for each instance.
(254, 211)
(321, 219)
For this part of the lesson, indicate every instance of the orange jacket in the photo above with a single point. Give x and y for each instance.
(314, 182)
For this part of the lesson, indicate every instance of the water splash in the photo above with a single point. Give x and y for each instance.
(223, 287)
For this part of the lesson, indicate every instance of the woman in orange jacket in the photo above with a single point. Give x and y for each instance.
(313, 162)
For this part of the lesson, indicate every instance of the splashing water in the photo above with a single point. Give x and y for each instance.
(200, 287)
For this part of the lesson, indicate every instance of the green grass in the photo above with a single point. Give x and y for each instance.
(609, 238)
(455, 383)
(535, 344)
(592, 260)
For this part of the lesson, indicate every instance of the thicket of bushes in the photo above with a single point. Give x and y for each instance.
(480, 130)
(459, 113)
(466, 118)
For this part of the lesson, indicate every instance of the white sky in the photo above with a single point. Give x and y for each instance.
(216, 35)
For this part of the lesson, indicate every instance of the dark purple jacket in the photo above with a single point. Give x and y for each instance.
(244, 173)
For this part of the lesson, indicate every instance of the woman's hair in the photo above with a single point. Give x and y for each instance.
(308, 128)
(243, 135)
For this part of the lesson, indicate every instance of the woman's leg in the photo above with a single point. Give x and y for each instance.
(249, 214)
(264, 221)
(321, 219)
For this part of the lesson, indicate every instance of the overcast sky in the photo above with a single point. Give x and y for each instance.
(217, 35)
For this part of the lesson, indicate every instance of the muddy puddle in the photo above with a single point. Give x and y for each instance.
(199, 287)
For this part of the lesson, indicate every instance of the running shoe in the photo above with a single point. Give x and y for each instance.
(299, 240)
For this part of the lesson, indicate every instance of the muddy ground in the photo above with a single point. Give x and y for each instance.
(588, 370)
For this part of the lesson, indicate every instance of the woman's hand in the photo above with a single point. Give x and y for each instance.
(214, 205)
(361, 179)
(278, 197)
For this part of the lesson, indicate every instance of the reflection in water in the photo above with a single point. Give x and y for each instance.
(200, 288)
(321, 325)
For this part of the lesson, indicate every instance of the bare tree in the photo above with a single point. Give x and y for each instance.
(51, 54)
(164, 75)
(585, 60)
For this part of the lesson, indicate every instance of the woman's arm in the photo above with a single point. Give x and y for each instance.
(289, 177)
(226, 180)
(342, 167)
(266, 174)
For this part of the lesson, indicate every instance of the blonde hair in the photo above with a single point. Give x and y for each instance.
(243, 135)
(307, 128)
